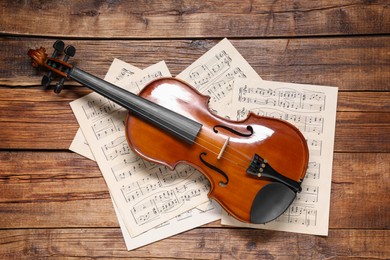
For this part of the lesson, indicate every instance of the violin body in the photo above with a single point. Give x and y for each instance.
(239, 192)
(255, 166)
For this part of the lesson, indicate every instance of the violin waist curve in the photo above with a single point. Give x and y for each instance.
(223, 151)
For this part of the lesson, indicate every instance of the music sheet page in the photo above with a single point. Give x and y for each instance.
(214, 73)
(80, 145)
(146, 195)
(118, 72)
(312, 109)
(224, 75)
(221, 65)
(203, 214)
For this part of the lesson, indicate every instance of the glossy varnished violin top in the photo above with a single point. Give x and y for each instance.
(255, 166)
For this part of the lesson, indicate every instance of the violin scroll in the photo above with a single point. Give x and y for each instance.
(40, 58)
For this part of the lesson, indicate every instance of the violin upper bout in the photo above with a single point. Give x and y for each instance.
(169, 88)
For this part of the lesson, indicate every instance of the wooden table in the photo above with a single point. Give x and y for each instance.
(55, 204)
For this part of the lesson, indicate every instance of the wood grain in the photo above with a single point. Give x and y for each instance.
(352, 64)
(202, 243)
(172, 19)
(48, 128)
(54, 204)
(16, 98)
(64, 189)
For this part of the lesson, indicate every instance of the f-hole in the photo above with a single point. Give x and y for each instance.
(249, 128)
(221, 183)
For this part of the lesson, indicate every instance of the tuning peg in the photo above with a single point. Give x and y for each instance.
(58, 48)
(69, 51)
(46, 80)
(59, 86)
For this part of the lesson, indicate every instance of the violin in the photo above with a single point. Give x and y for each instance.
(255, 166)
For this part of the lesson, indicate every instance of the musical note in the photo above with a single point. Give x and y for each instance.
(205, 73)
(98, 107)
(299, 215)
(222, 87)
(215, 72)
(138, 84)
(162, 191)
(289, 99)
(315, 146)
(313, 171)
(116, 147)
(106, 127)
(309, 194)
(124, 73)
(155, 205)
(305, 123)
(130, 166)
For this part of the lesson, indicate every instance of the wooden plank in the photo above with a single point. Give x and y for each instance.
(55, 204)
(38, 105)
(202, 243)
(363, 101)
(47, 128)
(34, 119)
(26, 100)
(360, 190)
(171, 19)
(362, 132)
(352, 64)
(17, 135)
(49, 190)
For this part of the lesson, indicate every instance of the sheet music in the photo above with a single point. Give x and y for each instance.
(219, 73)
(119, 71)
(214, 73)
(203, 214)
(80, 145)
(146, 195)
(312, 109)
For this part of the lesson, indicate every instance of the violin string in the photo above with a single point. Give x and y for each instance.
(232, 160)
(236, 159)
(225, 155)
(243, 159)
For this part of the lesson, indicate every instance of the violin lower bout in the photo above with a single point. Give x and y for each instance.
(246, 197)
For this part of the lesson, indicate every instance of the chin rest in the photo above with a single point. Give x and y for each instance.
(270, 202)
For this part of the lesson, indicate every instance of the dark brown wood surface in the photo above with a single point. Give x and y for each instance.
(55, 204)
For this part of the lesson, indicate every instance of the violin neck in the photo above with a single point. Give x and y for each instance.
(161, 117)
